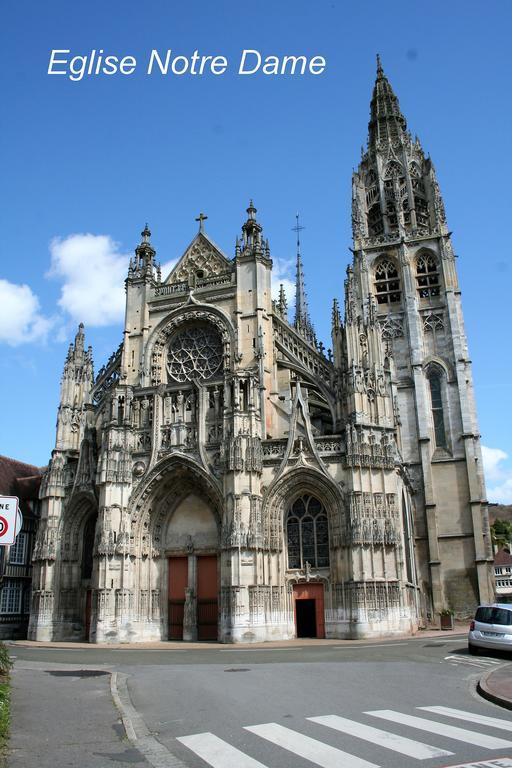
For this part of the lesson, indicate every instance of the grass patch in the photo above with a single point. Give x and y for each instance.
(5, 711)
(5, 701)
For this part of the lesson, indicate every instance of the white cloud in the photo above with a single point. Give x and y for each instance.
(282, 272)
(93, 272)
(498, 477)
(21, 321)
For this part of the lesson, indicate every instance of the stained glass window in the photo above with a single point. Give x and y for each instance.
(307, 533)
(194, 352)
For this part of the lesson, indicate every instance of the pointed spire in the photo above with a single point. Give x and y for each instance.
(145, 254)
(302, 321)
(146, 234)
(386, 121)
(282, 302)
(251, 231)
(79, 339)
(336, 319)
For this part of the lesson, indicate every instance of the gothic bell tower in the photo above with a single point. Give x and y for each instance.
(404, 265)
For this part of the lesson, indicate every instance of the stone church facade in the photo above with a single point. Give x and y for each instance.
(224, 477)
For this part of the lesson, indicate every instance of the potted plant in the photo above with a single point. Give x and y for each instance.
(446, 619)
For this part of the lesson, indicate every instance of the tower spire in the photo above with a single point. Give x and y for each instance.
(251, 231)
(386, 121)
(302, 321)
(282, 303)
(144, 263)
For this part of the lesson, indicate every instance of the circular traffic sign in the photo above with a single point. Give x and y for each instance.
(4, 526)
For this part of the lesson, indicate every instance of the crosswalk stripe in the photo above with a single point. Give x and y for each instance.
(450, 731)
(460, 714)
(310, 749)
(218, 753)
(385, 739)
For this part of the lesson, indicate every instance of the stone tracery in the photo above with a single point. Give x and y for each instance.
(194, 352)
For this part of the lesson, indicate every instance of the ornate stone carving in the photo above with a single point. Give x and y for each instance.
(434, 321)
(391, 327)
(200, 261)
(195, 352)
(189, 316)
(372, 520)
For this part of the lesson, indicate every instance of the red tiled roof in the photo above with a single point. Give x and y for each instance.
(503, 557)
(12, 470)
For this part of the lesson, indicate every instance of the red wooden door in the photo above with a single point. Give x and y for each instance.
(178, 580)
(312, 591)
(207, 592)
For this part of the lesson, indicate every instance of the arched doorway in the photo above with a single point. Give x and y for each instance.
(76, 569)
(89, 531)
(191, 543)
(176, 527)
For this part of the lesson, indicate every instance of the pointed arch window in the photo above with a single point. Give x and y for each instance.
(307, 534)
(392, 216)
(406, 212)
(393, 170)
(372, 188)
(375, 223)
(427, 275)
(436, 397)
(422, 214)
(387, 282)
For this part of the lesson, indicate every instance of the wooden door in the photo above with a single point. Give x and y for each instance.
(207, 597)
(178, 581)
(311, 591)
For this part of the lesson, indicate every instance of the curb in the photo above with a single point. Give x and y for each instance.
(136, 729)
(486, 693)
(170, 645)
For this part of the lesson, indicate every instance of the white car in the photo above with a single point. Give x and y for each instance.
(491, 628)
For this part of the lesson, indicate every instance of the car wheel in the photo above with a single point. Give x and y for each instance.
(472, 649)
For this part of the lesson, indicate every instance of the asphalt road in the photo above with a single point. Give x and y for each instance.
(252, 708)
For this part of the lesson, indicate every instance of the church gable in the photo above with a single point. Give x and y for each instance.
(202, 259)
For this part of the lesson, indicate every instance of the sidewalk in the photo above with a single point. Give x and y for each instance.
(66, 717)
(458, 630)
(496, 686)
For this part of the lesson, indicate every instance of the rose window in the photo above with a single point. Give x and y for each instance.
(195, 352)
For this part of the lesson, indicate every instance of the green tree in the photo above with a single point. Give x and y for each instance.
(501, 532)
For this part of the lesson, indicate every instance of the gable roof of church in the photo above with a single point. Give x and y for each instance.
(202, 254)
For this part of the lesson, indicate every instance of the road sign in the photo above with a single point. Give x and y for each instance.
(8, 519)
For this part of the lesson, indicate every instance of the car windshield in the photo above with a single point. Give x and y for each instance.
(492, 615)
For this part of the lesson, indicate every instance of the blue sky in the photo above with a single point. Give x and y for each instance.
(86, 163)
